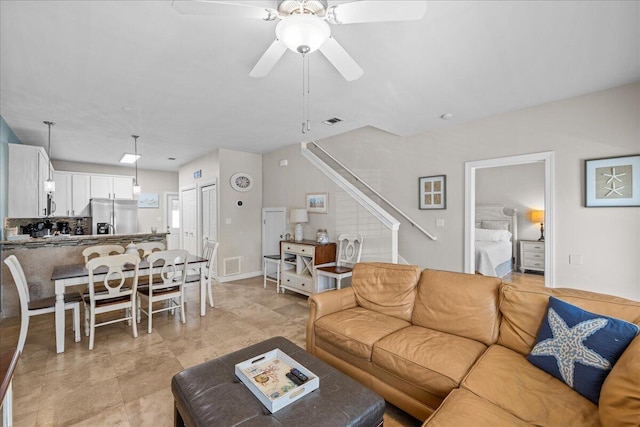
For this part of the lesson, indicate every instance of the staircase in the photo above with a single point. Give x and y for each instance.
(381, 243)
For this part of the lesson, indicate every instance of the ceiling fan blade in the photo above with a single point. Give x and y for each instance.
(340, 59)
(268, 59)
(256, 10)
(377, 11)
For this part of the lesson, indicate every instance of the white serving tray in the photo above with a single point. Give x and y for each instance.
(265, 376)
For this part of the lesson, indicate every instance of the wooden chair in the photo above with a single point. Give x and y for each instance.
(209, 251)
(118, 294)
(29, 307)
(101, 250)
(166, 286)
(149, 247)
(349, 252)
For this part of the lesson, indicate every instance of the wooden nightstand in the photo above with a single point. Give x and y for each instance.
(531, 255)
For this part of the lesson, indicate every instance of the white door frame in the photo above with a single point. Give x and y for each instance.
(165, 201)
(548, 157)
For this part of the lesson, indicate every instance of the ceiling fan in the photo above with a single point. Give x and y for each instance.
(303, 25)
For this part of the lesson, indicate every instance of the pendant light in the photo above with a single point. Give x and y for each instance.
(49, 184)
(136, 187)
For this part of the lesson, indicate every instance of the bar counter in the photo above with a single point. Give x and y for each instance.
(39, 256)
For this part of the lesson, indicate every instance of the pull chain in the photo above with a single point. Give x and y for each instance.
(306, 94)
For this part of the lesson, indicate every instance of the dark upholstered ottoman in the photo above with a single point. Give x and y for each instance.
(209, 394)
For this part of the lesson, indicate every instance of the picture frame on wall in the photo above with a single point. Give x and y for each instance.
(612, 182)
(432, 192)
(148, 201)
(317, 203)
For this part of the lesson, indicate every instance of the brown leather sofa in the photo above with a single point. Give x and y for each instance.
(450, 348)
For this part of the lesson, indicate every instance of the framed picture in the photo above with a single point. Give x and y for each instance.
(614, 181)
(432, 192)
(146, 201)
(317, 202)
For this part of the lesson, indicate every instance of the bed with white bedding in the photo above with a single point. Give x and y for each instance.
(496, 236)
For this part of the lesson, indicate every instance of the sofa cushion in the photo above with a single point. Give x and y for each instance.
(355, 330)
(620, 394)
(386, 288)
(463, 408)
(506, 379)
(579, 347)
(461, 304)
(431, 360)
(523, 307)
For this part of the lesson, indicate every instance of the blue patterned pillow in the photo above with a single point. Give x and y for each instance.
(580, 348)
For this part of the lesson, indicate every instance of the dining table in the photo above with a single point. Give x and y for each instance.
(65, 276)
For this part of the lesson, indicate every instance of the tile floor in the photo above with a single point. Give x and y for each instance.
(125, 381)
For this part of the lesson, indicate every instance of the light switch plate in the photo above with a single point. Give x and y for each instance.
(227, 220)
(440, 222)
(575, 259)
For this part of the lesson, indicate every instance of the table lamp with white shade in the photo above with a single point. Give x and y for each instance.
(297, 217)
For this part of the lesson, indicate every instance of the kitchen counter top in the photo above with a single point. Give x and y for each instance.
(81, 240)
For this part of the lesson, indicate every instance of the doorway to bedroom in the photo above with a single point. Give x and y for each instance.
(509, 218)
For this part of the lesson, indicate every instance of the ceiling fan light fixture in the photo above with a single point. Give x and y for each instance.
(303, 33)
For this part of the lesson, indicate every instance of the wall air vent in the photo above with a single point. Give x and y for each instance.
(232, 266)
(332, 121)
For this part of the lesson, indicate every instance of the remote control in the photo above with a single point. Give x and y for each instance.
(295, 379)
(300, 375)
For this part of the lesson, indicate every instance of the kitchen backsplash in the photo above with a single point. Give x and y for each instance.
(73, 222)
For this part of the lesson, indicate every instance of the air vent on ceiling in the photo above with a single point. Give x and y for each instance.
(332, 121)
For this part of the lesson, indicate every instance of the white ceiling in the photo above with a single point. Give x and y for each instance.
(185, 78)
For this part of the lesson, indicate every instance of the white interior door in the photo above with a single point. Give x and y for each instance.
(189, 216)
(274, 222)
(209, 203)
(172, 219)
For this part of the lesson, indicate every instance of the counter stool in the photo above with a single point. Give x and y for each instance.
(274, 260)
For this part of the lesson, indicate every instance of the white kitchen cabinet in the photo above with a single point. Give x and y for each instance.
(111, 187)
(28, 169)
(72, 194)
(62, 196)
(80, 195)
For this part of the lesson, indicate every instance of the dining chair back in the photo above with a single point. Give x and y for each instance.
(29, 307)
(101, 250)
(349, 253)
(115, 293)
(148, 247)
(210, 252)
(167, 285)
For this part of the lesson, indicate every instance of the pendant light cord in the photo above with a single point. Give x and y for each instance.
(306, 94)
(135, 148)
(49, 146)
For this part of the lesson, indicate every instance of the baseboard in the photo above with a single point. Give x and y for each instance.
(239, 276)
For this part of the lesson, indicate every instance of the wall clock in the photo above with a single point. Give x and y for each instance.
(241, 181)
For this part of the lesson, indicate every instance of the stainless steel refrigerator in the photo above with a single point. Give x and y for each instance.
(122, 215)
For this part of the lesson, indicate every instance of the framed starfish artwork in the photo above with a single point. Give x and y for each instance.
(614, 181)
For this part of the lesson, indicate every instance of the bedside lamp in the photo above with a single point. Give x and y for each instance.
(297, 217)
(538, 217)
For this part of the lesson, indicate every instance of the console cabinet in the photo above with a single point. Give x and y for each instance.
(298, 261)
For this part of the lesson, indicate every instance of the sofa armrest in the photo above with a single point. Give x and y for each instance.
(326, 303)
(620, 395)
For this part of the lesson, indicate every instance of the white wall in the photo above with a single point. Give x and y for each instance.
(520, 187)
(151, 181)
(602, 124)
(242, 236)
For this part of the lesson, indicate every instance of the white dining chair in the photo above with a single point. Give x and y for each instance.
(30, 308)
(101, 250)
(165, 286)
(118, 294)
(209, 251)
(349, 252)
(149, 247)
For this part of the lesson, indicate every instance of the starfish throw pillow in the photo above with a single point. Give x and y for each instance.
(579, 347)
